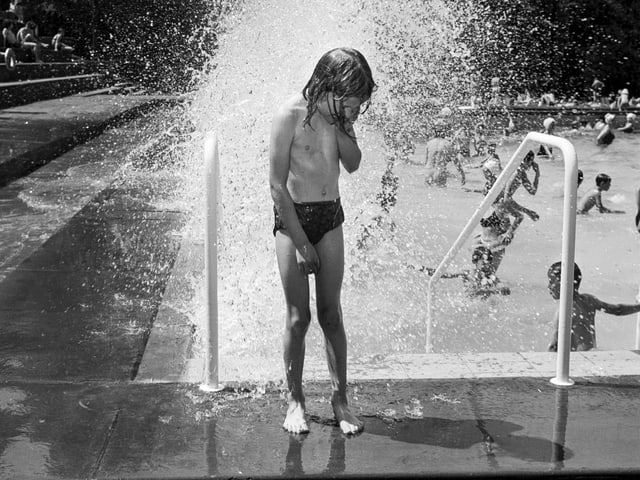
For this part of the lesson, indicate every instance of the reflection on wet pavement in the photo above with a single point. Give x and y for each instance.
(168, 430)
(82, 305)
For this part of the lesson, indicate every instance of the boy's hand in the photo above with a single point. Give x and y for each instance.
(308, 260)
(506, 238)
(533, 215)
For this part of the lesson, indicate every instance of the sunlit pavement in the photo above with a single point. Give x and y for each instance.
(70, 330)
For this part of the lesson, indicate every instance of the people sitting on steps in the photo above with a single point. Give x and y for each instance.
(9, 39)
(28, 38)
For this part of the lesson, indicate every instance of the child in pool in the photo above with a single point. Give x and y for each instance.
(628, 126)
(606, 135)
(488, 252)
(594, 197)
(491, 167)
(548, 126)
(583, 313)
(506, 202)
(312, 134)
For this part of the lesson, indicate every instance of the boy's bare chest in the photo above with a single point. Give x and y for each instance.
(317, 146)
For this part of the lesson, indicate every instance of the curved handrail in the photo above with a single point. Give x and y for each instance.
(568, 241)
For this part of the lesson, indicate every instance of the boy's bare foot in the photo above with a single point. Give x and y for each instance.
(349, 423)
(295, 421)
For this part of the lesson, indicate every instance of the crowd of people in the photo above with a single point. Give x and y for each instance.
(20, 33)
(619, 99)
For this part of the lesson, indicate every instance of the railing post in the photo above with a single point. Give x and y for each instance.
(212, 175)
(568, 258)
(637, 346)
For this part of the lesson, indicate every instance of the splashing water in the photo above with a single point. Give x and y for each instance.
(267, 53)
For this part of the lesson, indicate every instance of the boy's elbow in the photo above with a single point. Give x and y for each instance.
(276, 191)
(352, 164)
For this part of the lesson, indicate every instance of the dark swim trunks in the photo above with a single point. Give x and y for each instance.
(316, 218)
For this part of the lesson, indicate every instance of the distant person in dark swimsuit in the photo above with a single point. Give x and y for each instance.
(606, 135)
(311, 135)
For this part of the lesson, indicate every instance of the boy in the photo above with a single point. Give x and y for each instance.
(311, 135)
(594, 197)
(583, 327)
(506, 202)
(439, 153)
(491, 167)
(488, 252)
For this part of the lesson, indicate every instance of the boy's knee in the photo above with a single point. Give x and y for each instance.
(330, 318)
(299, 319)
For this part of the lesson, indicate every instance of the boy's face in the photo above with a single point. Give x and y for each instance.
(343, 111)
(554, 286)
(606, 185)
(351, 107)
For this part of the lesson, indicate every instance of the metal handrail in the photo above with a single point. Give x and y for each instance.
(210, 333)
(568, 242)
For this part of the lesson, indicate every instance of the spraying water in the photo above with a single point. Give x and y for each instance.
(392, 221)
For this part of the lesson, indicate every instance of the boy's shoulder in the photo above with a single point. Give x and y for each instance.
(293, 107)
(586, 299)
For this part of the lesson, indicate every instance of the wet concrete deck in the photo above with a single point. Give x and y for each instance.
(70, 341)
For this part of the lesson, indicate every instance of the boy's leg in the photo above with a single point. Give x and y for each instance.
(298, 316)
(328, 287)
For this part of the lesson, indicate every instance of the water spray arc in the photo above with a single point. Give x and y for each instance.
(568, 242)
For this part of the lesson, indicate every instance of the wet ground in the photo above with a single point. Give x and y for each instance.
(437, 428)
(87, 260)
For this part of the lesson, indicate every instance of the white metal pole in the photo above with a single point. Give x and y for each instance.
(211, 263)
(568, 258)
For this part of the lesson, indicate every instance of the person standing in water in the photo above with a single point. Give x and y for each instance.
(606, 135)
(312, 134)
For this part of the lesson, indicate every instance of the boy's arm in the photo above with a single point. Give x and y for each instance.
(532, 188)
(619, 309)
(348, 149)
(601, 208)
(282, 131)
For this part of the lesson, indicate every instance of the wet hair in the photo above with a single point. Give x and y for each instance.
(343, 72)
(556, 269)
(529, 157)
(491, 221)
(602, 178)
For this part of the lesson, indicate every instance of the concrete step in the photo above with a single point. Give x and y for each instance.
(34, 134)
(13, 94)
(32, 70)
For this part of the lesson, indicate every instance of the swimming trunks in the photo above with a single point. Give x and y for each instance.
(316, 218)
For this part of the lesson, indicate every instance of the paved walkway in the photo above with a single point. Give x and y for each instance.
(425, 415)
